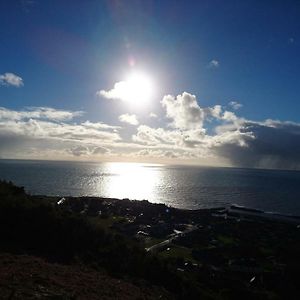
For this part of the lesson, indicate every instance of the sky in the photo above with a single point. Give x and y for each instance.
(193, 82)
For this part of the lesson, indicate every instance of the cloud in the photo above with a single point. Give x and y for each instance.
(43, 131)
(156, 136)
(137, 88)
(87, 151)
(130, 119)
(214, 63)
(52, 130)
(217, 112)
(153, 115)
(240, 142)
(214, 112)
(79, 150)
(229, 116)
(100, 150)
(160, 137)
(158, 153)
(10, 79)
(45, 113)
(210, 135)
(184, 111)
(268, 144)
(116, 93)
(235, 105)
(100, 125)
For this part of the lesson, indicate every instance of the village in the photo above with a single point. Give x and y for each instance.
(205, 244)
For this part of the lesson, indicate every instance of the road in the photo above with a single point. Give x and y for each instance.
(167, 242)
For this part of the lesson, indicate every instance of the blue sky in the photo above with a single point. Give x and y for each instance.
(241, 51)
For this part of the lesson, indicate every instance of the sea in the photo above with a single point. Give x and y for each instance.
(188, 187)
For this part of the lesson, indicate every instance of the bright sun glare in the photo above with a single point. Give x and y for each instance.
(137, 89)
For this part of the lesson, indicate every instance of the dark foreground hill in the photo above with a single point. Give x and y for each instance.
(97, 248)
(40, 228)
(28, 277)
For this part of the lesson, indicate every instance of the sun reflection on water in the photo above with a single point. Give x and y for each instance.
(131, 180)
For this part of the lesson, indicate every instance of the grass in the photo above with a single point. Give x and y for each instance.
(226, 240)
(106, 223)
(178, 252)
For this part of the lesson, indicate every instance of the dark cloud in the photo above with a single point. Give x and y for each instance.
(275, 145)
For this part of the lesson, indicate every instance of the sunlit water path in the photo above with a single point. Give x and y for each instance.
(179, 186)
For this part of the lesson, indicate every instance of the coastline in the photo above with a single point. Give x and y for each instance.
(218, 253)
(230, 210)
(181, 187)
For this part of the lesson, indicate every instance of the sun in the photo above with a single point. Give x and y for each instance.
(137, 89)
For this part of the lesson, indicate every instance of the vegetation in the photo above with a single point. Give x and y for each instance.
(34, 227)
(218, 258)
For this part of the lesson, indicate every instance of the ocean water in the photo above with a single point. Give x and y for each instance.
(179, 186)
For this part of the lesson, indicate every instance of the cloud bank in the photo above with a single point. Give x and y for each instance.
(187, 133)
(41, 113)
(47, 132)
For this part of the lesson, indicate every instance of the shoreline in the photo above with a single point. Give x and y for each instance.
(199, 187)
(192, 254)
(230, 210)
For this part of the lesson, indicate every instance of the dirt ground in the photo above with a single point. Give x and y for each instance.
(27, 277)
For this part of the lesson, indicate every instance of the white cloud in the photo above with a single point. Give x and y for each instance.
(52, 130)
(117, 92)
(184, 111)
(160, 137)
(100, 125)
(158, 153)
(11, 79)
(156, 136)
(214, 63)
(79, 150)
(100, 150)
(130, 119)
(235, 105)
(136, 89)
(38, 132)
(214, 112)
(229, 116)
(86, 151)
(153, 115)
(49, 133)
(45, 113)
